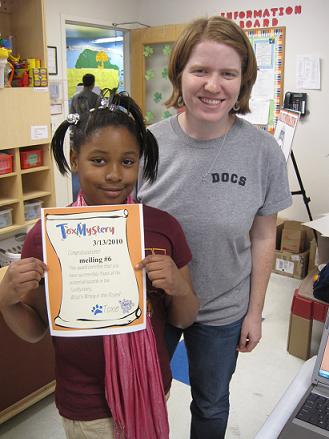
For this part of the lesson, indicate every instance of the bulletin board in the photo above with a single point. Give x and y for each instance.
(267, 93)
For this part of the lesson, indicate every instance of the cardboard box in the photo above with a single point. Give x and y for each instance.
(292, 264)
(319, 251)
(293, 237)
(322, 256)
(299, 337)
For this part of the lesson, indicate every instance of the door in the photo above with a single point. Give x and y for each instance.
(149, 55)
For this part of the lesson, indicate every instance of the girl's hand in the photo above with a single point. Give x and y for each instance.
(21, 277)
(163, 273)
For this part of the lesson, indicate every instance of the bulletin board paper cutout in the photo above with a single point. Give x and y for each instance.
(269, 46)
(92, 287)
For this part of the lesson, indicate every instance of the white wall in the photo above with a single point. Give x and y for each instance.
(305, 34)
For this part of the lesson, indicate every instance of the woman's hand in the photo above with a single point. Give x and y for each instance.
(21, 277)
(251, 333)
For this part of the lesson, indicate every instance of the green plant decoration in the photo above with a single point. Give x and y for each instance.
(148, 51)
(157, 97)
(166, 50)
(149, 116)
(166, 114)
(164, 73)
(149, 74)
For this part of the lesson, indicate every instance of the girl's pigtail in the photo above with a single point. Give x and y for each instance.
(151, 157)
(150, 150)
(57, 147)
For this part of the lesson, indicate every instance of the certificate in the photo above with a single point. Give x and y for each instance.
(92, 287)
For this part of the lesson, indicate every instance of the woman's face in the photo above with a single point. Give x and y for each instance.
(211, 82)
(107, 165)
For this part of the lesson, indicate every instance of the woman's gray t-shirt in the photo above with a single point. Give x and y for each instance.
(247, 177)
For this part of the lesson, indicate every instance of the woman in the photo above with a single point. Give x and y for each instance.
(225, 181)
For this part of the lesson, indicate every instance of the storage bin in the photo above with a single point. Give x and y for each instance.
(11, 249)
(31, 158)
(32, 210)
(6, 163)
(6, 218)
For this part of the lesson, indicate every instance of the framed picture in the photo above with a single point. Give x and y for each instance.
(52, 60)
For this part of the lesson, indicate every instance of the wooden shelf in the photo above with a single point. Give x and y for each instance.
(11, 174)
(11, 229)
(31, 170)
(22, 108)
(26, 370)
(8, 201)
(35, 194)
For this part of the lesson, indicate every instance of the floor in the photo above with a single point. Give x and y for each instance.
(260, 380)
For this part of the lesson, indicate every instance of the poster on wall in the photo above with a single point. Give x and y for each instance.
(92, 287)
(285, 130)
(97, 51)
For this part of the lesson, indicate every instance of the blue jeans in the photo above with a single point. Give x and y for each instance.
(212, 359)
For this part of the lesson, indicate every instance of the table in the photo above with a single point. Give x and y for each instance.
(289, 400)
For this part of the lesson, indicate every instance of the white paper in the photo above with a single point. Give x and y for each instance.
(41, 89)
(308, 72)
(264, 85)
(284, 266)
(91, 286)
(285, 130)
(259, 111)
(288, 402)
(81, 288)
(264, 54)
(321, 225)
(39, 132)
(56, 109)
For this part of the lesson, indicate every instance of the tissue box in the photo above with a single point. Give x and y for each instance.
(31, 158)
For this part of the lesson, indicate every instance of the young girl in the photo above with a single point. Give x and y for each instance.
(92, 372)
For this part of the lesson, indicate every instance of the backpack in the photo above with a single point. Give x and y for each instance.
(321, 285)
(82, 104)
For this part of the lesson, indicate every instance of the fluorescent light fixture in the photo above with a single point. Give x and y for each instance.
(108, 40)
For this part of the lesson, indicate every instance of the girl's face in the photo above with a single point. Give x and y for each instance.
(107, 165)
(211, 82)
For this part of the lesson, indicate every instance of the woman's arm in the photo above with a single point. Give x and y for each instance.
(22, 299)
(262, 236)
(163, 273)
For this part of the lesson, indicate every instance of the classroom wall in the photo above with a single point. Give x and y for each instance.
(306, 33)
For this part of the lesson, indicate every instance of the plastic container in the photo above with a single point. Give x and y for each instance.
(6, 163)
(6, 218)
(32, 210)
(3, 62)
(31, 158)
(11, 249)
